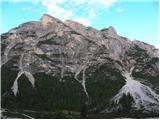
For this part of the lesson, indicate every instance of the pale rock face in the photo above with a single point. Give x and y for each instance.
(110, 32)
(47, 20)
(88, 32)
(143, 95)
(75, 25)
(55, 24)
(151, 49)
(38, 51)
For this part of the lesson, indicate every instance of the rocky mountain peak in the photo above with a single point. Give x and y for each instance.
(72, 23)
(112, 29)
(88, 32)
(151, 49)
(67, 66)
(110, 32)
(78, 27)
(47, 19)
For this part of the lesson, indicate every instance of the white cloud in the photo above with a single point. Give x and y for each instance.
(139, 1)
(86, 20)
(53, 8)
(106, 3)
(92, 14)
(85, 16)
(83, 11)
(16, 1)
(83, 20)
(78, 2)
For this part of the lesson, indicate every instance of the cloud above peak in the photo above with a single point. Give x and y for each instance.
(83, 11)
(53, 8)
(106, 3)
(17, 1)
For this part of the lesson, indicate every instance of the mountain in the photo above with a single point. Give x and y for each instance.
(55, 69)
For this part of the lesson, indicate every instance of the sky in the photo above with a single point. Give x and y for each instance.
(134, 19)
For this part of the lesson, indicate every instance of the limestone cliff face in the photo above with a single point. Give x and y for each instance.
(101, 66)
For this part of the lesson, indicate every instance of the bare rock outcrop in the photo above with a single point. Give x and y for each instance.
(66, 62)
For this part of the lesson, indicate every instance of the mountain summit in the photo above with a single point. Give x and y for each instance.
(55, 69)
(47, 19)
(111, 32)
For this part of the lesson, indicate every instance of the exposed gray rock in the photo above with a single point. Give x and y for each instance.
(109, 32)
(83, 53)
